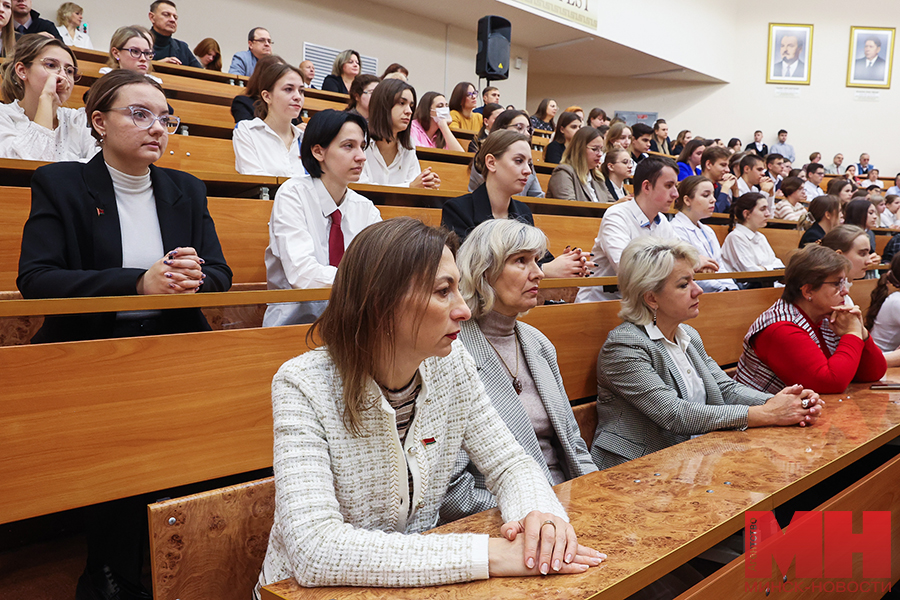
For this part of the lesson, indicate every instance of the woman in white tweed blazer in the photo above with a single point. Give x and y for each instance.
(656, 385)
(499, 278)
(368, 428)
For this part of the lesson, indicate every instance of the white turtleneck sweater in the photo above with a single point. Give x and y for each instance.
(142, 243)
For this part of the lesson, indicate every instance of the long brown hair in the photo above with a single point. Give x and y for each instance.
(206, 46)
(387, 266)
(269, 76)
(882, 291)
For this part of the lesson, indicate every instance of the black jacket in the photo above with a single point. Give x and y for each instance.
(39, 25)
(463, 214)
(165, 46)
(334, 84)
(72, 244)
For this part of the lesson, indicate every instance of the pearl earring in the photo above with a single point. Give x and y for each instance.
(654, 317)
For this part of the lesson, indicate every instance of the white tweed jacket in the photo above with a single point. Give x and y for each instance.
(468, 493)
(341, 502)
(641, 406)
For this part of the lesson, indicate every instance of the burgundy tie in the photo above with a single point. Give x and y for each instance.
(335, 240)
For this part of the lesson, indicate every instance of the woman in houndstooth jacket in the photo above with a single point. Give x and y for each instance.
(656, 385)
(499, 277)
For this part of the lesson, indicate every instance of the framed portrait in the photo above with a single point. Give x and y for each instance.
(790, 53)
(871, 57)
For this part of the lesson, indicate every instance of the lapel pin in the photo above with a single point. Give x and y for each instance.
(428, 441)
(99, 211)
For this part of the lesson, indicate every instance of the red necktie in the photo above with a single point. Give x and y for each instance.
(335, 240)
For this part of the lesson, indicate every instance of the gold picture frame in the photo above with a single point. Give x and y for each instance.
(789, 59)
(863, 69)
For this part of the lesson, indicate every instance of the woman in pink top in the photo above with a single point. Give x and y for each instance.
(431, 124)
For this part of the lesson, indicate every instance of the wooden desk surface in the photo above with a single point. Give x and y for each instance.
(653, 514)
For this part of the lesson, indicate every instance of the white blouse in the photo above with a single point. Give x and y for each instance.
(22, 138)
(704, 239)
(404, 168)
(745, 250)
(886, 331)
(889, 219)
(258, 150)
(81, 39)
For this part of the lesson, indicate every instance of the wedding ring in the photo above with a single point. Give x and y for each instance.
(549, 522)
(805, 403)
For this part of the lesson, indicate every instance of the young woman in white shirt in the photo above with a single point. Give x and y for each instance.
(890, 217)
(617, 166)
(304, 220)
(69, 17)
(697, 201)
(391, 374)
(883, 315)
(37, 81)
(270, 143)
(390, 156)
(430, 127)
(792, 208)
(745, 248)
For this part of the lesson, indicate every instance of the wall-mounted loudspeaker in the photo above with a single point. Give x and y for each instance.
(494, 38)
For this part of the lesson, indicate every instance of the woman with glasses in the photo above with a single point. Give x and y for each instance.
(119, 226)
(463, 101)
(513, 120)
(430, 127)
(656, 385)
(37, 80)
(574, 178)
(617, 166)
(361, 91)
(811, 336)
(270, 143)
(131, 48)
(345, 68)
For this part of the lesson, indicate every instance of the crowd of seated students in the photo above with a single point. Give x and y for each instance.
(398, 293)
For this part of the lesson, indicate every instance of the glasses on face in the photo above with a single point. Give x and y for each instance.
(54, 66)
(137, 53)
(265, 41)
(144, 119)
(521, 128)
(595, 149)
(840, 284)
(367, 92)
(626, 162)
(471, 94)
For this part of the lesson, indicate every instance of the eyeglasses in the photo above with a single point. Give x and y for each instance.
(54, 66)
(472, 94)
(144, 119)
(137, 53)
(521, 128)
(595, 149)
(265, 41)
(627, 162)
(367, 92)
(842, 283)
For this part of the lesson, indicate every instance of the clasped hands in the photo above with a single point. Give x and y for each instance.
(539, 544)
(178, 272)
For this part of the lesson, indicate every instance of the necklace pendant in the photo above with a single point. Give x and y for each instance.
(517, 385)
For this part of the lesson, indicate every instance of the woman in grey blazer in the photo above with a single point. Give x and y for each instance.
(573, 178)
(656, 385)
(499, 278)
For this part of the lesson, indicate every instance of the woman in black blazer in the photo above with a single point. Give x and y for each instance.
(120, 226)
(346, 67)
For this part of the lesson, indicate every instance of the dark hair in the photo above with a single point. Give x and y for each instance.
(506, 117)
(836, 186)
(385, 264)
(423, 116)
(690, 148)
(156, 4)
(812, 167)
(842, 237)
(394, 68)
(252, 35)
(321, 130)
(687, 186)
(385, 96)
(772, 157)
(640, 129)
(269, 76)
(262, 65)
(744, 202)
(712, 154)
(597, 112)
(795, 172)
(489, 88)
(27, 50)
(821, 206)
(791, 185)
(658, 123)
(811, 265)
(857, 213)
(541, 112)
(564, 121)
(881, 291)
(649, 170)
(203, 48)
(749, 161)
(357, 87)
(489, 109)
(735, 142)
(106, 89)
(780, 131)
(458, 96)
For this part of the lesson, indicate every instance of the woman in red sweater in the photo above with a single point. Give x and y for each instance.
(810, 336)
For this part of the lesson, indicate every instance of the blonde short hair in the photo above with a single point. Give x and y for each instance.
(483, 255)
(644, 267)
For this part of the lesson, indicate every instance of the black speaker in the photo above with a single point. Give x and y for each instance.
(494, 37)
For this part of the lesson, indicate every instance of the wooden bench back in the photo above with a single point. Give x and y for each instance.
(212, 544)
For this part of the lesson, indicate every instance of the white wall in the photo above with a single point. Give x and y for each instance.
(437, 56)
(825, 117)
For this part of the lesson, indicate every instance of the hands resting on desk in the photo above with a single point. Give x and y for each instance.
(787, 408)
(517, 552)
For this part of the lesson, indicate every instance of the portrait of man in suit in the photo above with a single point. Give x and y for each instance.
(870, 57)
(789, 53)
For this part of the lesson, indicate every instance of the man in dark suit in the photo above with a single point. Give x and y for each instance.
(756, 146)
(790, 64)
(871, 66)
(30, 21)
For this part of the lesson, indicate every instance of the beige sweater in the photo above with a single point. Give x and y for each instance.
(341, 502)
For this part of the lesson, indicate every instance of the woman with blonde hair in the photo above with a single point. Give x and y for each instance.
(345, 68)
(684, 136)
(34, 125)
(618, 135)
(69, 19)
(209, 54)
(131, 48)
(617, 166)
(574, 178)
